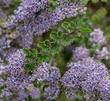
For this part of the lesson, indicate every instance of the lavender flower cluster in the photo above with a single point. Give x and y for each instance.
(17, 85)
(34, 18)
(96, 38)
(46, 73)
(88, 75)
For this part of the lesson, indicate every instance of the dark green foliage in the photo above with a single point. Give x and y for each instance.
(74, 30)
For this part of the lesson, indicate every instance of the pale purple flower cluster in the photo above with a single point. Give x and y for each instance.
(60, 13)
(86, 75)
(80, 53)
(15, 77)
(2, 68)
(18, 82)
(35, 19)
(54, 75)
(46, 73)
(16, 59)
(28, 10)
(97, 37)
